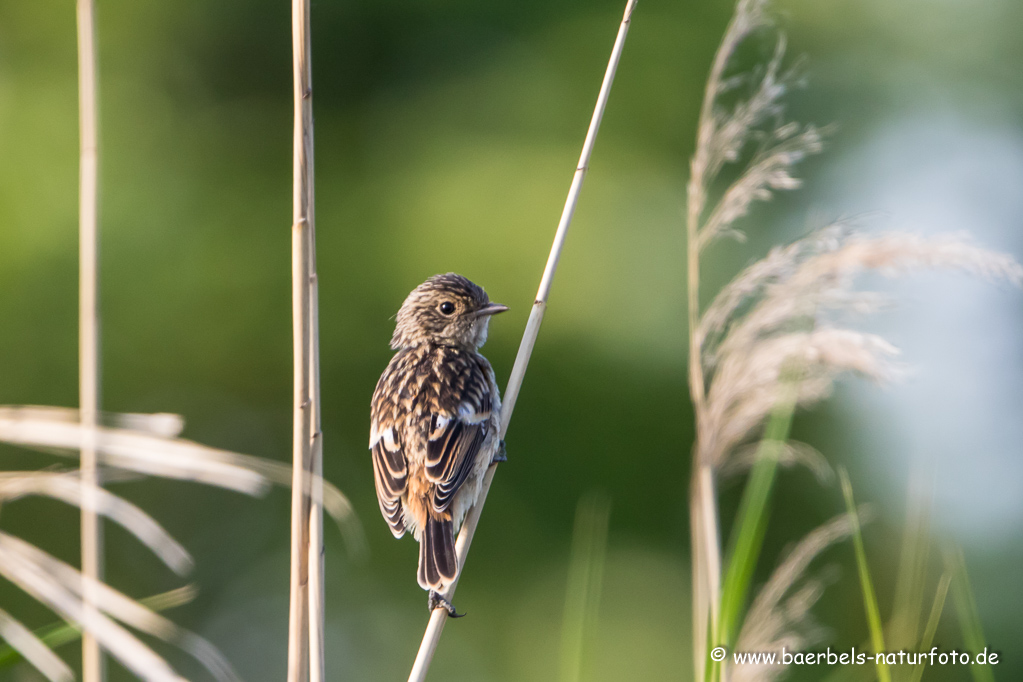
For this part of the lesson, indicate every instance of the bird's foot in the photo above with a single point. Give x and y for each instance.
(502, 453)
(438, 601)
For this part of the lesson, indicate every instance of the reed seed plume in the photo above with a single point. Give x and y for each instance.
(788, 454)
(723, 134)
(776, 335)
(780, 614)
(778, 314)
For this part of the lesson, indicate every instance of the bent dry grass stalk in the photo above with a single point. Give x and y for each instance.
(60, 633)
(439, 616)
(133, 452)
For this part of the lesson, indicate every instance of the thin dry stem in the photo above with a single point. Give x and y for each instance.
(712, 149)
(88, 315)
(439, 616)
(305, 656)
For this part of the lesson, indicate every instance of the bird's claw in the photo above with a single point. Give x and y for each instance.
(438, 601)
(502, 453)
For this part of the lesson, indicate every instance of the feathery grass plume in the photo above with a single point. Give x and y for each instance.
(723, 133)
(779, 616)
(778, 316)
(788, 454)
(784, 316)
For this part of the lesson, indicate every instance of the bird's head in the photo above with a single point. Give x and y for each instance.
(445, 309)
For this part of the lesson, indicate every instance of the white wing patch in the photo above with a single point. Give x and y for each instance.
(468, 414)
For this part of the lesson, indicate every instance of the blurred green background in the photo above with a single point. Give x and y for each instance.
(446, 137)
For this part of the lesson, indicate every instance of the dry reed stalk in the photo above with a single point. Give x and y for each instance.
(305, 634)
(712, 150)
(33, 649)
(146, 448)
(439, 616)
(88, 319)
(61, 588)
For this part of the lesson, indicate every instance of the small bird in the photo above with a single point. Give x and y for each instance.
(435, 421)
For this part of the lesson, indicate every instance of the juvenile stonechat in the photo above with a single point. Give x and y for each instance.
(435, 422)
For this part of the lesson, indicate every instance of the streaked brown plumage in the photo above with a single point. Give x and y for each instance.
(435, 416)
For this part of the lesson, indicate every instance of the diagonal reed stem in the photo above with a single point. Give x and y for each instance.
(88, 320)
(306, 617)
(439, 616)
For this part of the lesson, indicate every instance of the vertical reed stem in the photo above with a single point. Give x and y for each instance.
(305, 632)
(439, 616)
(88, 322)
(706, 545)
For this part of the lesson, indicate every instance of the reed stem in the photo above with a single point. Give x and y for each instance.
(88, 322)
(306, 617)
(439, 616)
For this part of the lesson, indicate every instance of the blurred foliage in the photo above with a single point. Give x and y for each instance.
(447, 133)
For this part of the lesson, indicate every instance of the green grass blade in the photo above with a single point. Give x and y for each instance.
(908, 601)
(966, 609)
(585, 579)
(751, 520)
(56, 635)
(932, 622)
(747, 536)
(869, 596)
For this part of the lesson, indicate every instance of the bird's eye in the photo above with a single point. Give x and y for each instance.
(447, 307)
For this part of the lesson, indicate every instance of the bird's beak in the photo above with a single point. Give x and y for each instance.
(491, 309)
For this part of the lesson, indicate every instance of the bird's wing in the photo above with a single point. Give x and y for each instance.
(390, 472)
(390, 468)
(459, 424)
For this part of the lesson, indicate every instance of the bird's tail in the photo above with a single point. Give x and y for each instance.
(438, 564)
